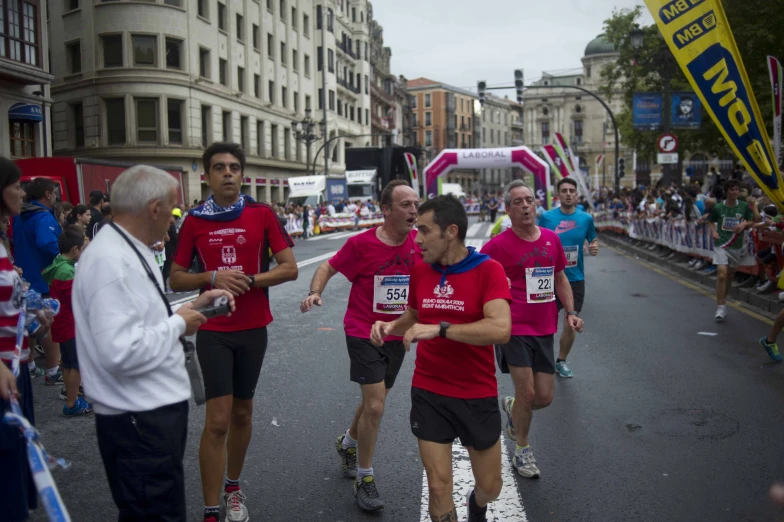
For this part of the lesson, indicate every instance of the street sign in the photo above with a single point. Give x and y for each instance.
(667, 143)
(667, 158)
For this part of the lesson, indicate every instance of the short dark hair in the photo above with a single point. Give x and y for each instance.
(562, 181)
(386, 194)
(223, 147)
(106, 211)
(96, 196)
(730, 183)
(447, 211)
(72, 236)
(10, 173)
(38, 188)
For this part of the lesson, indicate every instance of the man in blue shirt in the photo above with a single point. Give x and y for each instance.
(574, 227)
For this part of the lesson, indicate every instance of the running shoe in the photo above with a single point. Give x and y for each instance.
(40, 349)
(563, 370)
(721, 313)
(37, 372)
(53, 381)
(348, 458)
(767, 285)
(772, 349)
(694, 261)
(710, 270)
(80, 407)
(525, 463)
(64, 395)
(507, 404)
(473, 517)
(367, 495)
(235, 507)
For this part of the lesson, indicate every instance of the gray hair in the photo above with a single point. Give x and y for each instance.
(140, 185)
(515, 183)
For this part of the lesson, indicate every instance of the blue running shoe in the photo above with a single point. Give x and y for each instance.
(772, 349)
(563, 370)
(81, 407)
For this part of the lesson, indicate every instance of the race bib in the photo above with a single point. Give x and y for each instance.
(730, 223)
(390, 294)
(540, 284)
(572, 256)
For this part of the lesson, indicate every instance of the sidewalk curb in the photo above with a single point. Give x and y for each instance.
(767, 304)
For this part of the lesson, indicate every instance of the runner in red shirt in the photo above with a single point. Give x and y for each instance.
(458, 307)
(534, 261)
(378, 263)
(229, 236)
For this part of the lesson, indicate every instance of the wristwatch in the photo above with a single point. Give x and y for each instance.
(572, 313)
(252, 280)
(444, 325)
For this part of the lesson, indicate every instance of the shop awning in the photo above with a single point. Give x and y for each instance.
(25, 111)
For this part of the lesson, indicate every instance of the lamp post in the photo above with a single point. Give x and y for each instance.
(304, 132)
(664, 59)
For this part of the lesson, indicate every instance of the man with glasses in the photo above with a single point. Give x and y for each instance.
(229, 236)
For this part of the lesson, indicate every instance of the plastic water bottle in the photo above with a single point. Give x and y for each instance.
(34, 302)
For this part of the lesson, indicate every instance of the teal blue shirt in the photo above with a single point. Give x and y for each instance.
(573, 230)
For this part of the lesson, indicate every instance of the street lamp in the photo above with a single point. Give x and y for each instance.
(304, 132)
(662, 58)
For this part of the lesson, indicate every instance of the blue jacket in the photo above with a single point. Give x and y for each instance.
(36, 232)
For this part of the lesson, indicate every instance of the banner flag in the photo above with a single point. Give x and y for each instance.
(557, 165)
(562, 147)
(774, 66)
(599, 160)
(412, 170)
(701, 41)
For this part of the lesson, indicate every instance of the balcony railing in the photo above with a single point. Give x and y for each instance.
(346, 50)
(464, 127)
(381, 93)
(348, 86)
(517, 124)
(384, 123)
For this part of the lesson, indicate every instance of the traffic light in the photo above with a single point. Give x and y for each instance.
(621, 167)
(480, 87)
(519, 84)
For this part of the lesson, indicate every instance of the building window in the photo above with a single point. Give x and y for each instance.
(428, 138)
(271, 87)
(318, 17)
(307, 103)
(19, 31)
(366, 51)
(320, 99)
(269, 5)
(295, 101)
(174, 112)
(256, 37)
(330, 20)
(282, 10)
(331, 60)
(147, 121)
(222, 69)
(22, 139)
(331, 100)
(283, 97)
(206, 125)
(353, 14)
(221, 16)
(241, 79)
(77, 112)
(367, 84)
(428, 119)
(74, 57)
(578, 131)
(240, 28)
(427, 101)
(283, 53)
(286, 144)
(204, 62)
(270, 46)
(545, 132)
(204, 9)
(260, 145)
(173, 53)
(294, 18)
(115, 121)
(320, 59)
(112, 50)
(244, 133)
(414, 101)
(294, 60)
(306, 65)
(306, 25)
(144, 50)
(176, 3)
(362, 16)
(367, 117)
(257, 85)
(227, 134)
(340, 107)
(73, 4)
(274, 138)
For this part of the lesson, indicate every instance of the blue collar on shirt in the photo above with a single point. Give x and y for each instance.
(471, 261)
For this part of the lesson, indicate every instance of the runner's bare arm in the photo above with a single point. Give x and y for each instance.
(399, 326)
(285, 271)
(564, 291)
(712, 226)
(494, 328)
(321, 276)
(234, 281)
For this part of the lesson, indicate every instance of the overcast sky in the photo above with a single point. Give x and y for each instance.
(461, 41)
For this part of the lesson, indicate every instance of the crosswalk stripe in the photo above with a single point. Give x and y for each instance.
(489, 229)
(473, 229)
(345, 235)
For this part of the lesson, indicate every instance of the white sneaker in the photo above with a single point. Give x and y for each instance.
(721, 313)
(781, 296)
(525, 463)
(235, 507)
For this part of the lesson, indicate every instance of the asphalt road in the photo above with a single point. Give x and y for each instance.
(659, 424)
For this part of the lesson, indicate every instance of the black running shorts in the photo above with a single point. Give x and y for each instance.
(528, 351)
(578, 294)
(68, 358)
(231, 361)
(371, 364)
(441, 419)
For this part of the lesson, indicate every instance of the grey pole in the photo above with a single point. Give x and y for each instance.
(324, 67)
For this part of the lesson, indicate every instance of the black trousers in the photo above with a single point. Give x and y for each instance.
(142, 454)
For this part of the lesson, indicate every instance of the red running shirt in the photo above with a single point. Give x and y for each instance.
(379, 276)
(241, 245)
(448, 367)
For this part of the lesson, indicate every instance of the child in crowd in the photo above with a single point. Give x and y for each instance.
(59, 276)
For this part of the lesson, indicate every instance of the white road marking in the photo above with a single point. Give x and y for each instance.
(473, 229)
(709, 334)
(346, 234)
(316, 259)
(508, 507)
(476, 243)
(334, 235)
(489, 229)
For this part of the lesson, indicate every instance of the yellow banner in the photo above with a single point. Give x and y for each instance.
(699, 36)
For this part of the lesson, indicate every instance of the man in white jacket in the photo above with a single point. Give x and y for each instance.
(130, 354)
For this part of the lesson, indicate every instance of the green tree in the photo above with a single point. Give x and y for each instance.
(756, 25)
